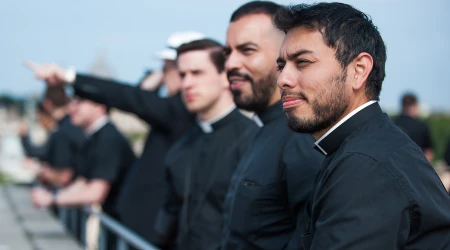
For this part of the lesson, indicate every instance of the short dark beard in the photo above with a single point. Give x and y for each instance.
(262, 92)
(326, 114)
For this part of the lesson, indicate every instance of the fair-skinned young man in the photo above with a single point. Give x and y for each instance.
(200, 164)
(375, 190)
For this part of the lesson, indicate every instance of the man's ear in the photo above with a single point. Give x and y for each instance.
(361, 67)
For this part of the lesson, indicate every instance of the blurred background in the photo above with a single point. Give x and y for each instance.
(117, 39)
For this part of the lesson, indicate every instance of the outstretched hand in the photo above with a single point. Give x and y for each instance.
(52, 74)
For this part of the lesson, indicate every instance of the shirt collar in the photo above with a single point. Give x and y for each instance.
(271, 113)
(97, 125)
(333, 138)
(207, 126)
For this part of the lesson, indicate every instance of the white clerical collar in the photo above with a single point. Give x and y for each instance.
(258, 121)
(97, 125)
(341, 122)
(206, 126)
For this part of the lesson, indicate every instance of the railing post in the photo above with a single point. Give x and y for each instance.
(103, 238)
(84, 217)
(121, 244)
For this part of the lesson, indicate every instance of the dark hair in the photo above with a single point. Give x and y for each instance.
(255, 7)
(215, 51)
(409, 100)
(41, 109)
(57, 96)
(345, 29)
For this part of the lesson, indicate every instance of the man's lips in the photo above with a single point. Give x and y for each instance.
(189, 97)
(290, 101)
(237, 82)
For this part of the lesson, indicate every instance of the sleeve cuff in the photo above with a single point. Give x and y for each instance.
(71, 75)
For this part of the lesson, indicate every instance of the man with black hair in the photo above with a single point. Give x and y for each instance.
(417, 130)
(267, 197)
(375, 189)
(167, 117)
(63, 144)
(101, 166)
(48, 124)
(200, 165)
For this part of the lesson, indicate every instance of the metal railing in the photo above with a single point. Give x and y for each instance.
(74, 219)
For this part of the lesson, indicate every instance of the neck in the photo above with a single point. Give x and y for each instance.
(221, 106)
(356, 103)
(99, 119)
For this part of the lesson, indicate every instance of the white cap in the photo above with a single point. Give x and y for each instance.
(175, 40)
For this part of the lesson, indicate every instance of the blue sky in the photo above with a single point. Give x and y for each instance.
(71, 33)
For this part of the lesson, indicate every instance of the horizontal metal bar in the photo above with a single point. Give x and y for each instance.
(121, 231)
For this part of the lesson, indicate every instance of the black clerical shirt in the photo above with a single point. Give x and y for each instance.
(199, 169)
(106, 155)
(417, 130)
(376, 190)
(64, 144)
(169, 119)
(266, 201)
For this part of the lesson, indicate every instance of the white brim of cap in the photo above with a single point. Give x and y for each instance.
(166, 54)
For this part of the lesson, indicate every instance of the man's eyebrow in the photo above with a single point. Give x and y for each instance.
(243, 45)
(292, 56)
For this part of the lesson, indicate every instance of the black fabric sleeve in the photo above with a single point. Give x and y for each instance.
(166, 113)
(301, 165)
(168, 215)
(447, 153)
(60, 152)
(428, 141)
(32, 150)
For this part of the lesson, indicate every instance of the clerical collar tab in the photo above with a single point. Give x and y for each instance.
(333, 139)
(258, 121)
(206, 127)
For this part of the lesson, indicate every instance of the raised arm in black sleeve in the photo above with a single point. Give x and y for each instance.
(166, 113)
(32, 150)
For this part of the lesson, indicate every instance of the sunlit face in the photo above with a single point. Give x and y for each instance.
(83, 112)
(201, 83)
(171, 78)
(313, 84)
(252, 47)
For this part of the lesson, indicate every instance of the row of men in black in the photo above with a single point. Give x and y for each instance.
(375, 189)
(96, 170)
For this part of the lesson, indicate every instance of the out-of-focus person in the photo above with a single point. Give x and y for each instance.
(417, 130)
(165, 113)
(101, 166)
(200, 164)
(64, 142)
(47, 123)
